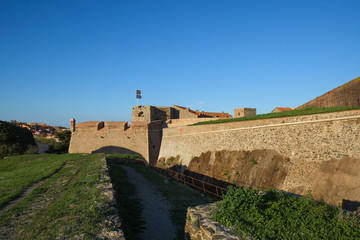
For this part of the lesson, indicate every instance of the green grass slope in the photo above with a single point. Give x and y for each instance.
(292, 113)
(68, 204)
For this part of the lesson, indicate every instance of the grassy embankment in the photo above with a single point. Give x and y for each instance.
(179, 196)
(292, 113)
(66, 204)
(276, 215)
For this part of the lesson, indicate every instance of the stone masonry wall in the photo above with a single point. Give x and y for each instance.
(311, 148)
(117, 137)
(199, 225)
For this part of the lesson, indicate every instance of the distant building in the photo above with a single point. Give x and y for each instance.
(39, 129)
(185, 112)
(244, 112)
(281, 109)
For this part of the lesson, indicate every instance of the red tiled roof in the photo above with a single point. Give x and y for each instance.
(192, 111)
(284, 108)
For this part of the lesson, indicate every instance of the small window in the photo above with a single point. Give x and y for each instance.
(141, 114)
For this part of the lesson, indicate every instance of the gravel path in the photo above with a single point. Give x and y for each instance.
(155, 213)
(42, 147)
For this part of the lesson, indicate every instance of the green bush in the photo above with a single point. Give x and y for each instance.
(62, 146)
(123, 156)
(273, 214)
(15, 140)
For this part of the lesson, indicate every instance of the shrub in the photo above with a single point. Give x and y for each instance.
(273, 214)
(123, 156)
(15, 140)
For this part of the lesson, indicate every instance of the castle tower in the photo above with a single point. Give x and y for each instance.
(72, 125)
(244, 112)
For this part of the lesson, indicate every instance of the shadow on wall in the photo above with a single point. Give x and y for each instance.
(336, 182)
(202, 177)
(116, 150)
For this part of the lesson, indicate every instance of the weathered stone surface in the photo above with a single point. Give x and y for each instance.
(200, 226)
(111, 227)
(142, 138)
(285, 153)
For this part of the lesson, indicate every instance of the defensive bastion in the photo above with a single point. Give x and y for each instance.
(318, 153)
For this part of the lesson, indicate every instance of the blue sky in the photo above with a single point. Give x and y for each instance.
(86, 59)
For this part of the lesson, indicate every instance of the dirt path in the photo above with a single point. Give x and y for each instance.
(155, 213)
(21, 196)
(42, 147)
(26, 192)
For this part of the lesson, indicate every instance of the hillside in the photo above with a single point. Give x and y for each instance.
(15, 140)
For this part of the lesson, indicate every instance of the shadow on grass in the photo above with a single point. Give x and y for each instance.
(177, 194)
(128, 204)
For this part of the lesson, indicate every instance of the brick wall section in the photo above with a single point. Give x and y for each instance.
(345, 95)
(308, 141)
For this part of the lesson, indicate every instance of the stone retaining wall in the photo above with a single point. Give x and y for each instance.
(112, 221)
(318, 152)
(200, 226)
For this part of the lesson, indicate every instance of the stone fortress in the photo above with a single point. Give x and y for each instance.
(142, 136)
(318, 153)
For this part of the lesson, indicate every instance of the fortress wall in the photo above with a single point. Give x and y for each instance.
(184, 113)
(345, 95)
(187, 121)
(114, 137)
(154, 140)
(304, 153)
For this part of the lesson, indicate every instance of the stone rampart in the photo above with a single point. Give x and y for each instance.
(347, 94)
(187, 121)
(141, 138)
(306, 153)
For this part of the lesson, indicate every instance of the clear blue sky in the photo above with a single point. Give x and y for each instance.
(86, 59)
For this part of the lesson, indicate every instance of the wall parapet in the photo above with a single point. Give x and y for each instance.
(291, 152)
(262, 123)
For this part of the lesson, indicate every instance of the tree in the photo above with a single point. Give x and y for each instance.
(15, 140)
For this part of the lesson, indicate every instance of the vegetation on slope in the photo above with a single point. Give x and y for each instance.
(68, 203)
(15, 140)
(62, 146)
(122, 156)
(276, 215)
(292, 113)
(19, 172)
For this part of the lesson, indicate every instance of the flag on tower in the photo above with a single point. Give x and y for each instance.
(138, 94)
